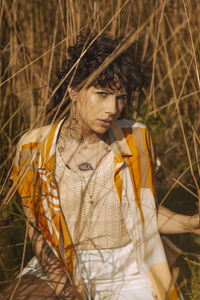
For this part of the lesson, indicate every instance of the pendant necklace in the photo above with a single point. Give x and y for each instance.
(84, 167)
(87, 167)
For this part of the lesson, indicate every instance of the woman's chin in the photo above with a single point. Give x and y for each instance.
(101, 130)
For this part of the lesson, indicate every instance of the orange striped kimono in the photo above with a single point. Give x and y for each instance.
(33, 173)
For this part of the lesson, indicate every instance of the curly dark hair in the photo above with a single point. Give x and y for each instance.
(124, 71)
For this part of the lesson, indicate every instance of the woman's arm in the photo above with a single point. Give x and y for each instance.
(170, 222)
(51, 265)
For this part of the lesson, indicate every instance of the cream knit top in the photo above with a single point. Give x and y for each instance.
(97, 225)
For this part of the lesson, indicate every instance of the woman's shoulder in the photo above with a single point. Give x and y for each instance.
(35, 135)
(125, 123)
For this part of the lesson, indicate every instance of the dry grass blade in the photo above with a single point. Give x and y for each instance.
(33, 43)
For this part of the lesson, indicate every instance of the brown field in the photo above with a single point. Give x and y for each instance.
(34, 37)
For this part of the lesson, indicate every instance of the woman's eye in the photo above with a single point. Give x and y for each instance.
(122, 98)
(103, 94)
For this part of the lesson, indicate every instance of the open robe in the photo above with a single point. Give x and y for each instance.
(33, 174)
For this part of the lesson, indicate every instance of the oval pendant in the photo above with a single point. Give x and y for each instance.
(85, 166)
(91, 200)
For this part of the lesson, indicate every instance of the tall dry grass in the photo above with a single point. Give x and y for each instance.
(33, 39)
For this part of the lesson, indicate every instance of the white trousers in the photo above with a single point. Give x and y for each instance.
(112, 274)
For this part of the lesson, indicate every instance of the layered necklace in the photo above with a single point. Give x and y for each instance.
(68, 135)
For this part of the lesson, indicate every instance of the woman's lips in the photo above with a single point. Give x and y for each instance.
(106, 123)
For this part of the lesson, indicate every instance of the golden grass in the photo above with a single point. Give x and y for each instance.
(34, 37)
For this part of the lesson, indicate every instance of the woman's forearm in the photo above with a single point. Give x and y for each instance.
(53, 269)
(170, 222)
(51, 265)
(57, 276)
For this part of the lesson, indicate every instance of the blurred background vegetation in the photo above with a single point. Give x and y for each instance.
(34, 37)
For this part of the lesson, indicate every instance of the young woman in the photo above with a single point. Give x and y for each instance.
(87, 185)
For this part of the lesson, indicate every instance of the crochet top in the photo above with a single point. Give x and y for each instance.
(96, 225)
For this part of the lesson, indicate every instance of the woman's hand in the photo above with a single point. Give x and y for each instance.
(194, 224)
(71, 293)
(170, 222)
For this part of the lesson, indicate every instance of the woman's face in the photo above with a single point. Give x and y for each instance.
(99, 108)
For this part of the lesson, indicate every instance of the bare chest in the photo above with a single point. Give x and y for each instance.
(83, 157)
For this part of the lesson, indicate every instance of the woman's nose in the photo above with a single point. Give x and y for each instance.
(111, 104)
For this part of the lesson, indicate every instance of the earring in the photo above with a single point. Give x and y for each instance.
(74, 117)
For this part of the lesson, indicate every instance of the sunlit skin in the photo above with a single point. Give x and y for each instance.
(92, 113)
(96, 109)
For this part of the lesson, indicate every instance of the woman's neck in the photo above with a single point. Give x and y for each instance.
(76, 130)
(79, 147)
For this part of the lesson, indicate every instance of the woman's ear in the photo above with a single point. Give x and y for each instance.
(72, 94)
